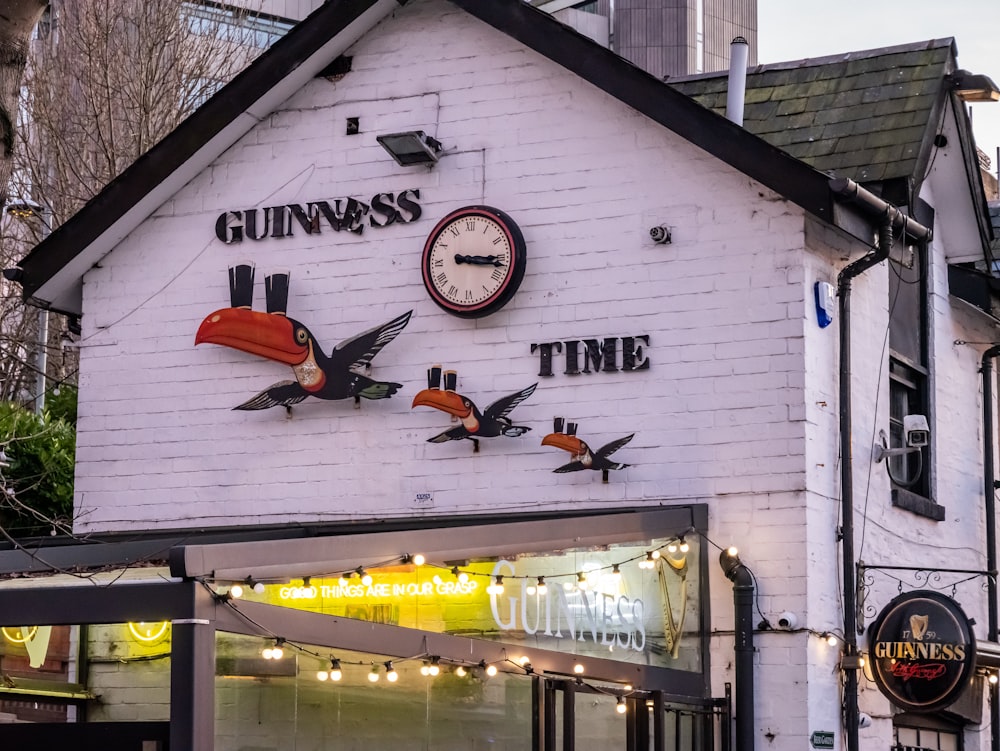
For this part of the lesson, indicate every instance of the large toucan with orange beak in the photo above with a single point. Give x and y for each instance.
(582, 457)
(276, 337)
(490, 423)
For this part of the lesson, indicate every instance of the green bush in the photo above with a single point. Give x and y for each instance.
(38, 485)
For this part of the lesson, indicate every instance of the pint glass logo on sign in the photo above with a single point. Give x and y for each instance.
(923, 651)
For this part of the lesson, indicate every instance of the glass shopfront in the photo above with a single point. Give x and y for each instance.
(588, 630)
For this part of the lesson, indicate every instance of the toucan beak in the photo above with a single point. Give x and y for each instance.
(446, 401)
(569, 443)
(262, 334)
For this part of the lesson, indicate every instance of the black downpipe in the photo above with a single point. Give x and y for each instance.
(888, 217)
(743, 591)
(880, 253)
(989, 491)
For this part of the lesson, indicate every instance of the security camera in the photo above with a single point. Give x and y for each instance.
(916, 430)
(864, 720)
(788, 621)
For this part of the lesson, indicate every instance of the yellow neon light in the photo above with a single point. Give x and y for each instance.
(148, 632)
(8, 634)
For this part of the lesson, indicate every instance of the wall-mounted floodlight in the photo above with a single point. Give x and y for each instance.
(974, 87)
(411, 148)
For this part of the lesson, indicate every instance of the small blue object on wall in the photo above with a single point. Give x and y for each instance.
(825, 301)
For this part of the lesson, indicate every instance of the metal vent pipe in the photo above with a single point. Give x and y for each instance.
(739, 53)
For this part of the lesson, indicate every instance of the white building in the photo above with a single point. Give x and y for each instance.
(679, 290)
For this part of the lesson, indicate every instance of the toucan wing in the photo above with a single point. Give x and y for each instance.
(284, 393)
(609, 449)
(454, 434)
(505, 405)
(571, 467)
(359, 350)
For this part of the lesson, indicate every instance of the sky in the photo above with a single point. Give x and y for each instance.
(797, 29)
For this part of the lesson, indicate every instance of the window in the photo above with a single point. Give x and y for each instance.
(909, 378)
(925, 739)
(235, 25)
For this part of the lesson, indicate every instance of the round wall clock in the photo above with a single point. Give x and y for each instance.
(474, 261)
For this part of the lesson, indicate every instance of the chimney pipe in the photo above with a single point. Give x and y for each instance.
(739, 52)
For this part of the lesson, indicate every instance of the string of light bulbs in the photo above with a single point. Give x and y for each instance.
(677, 548)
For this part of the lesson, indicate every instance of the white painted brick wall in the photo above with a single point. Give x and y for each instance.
(738, 409)
(585, 178)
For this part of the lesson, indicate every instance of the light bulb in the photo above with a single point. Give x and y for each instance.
(343, 582)
(425, 669)
(437, 579)
(491, 670)
(236, 591)
(277, 653)
(616, 573)
(578, 669)
(322, 675)
(581, 580)
(732, 551)
(531, 590)
(542, 587)
(672, 547)
(335, 672)
(831, 640)
(258, 587)
(655, 554)
(418, 559)
(993, 678)
(434, 668)
(267, 653)
(366, 579)
(685, 547)
(390, 673)
(621, 708)
(373, 675)
(460, 671)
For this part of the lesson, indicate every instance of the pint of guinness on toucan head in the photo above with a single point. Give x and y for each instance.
(276, 291)
(241, 285)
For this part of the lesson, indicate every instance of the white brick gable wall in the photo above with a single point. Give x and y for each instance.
(584, 177)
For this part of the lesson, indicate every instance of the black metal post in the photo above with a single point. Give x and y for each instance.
(989, 492)
(569, 717)
(192, 685)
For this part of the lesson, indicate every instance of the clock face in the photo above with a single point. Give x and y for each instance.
(474, 261)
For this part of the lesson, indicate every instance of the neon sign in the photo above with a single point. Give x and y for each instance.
(380, 590)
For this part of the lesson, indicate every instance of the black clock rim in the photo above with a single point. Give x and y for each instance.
(518, 266)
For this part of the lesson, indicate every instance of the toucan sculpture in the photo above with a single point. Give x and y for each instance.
(580, 452)
(275, 336)
(490, 423)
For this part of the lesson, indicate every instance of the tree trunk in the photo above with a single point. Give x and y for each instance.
(17, 20)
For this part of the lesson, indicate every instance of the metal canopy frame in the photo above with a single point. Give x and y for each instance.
(197, 613)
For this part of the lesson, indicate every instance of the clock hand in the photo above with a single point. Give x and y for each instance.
(478, 260)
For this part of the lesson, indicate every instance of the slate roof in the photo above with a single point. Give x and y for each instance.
(866, 115)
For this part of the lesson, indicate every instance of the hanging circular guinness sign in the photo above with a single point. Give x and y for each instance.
(922, 650)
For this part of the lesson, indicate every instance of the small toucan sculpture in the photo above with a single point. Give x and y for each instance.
(277, 337)
(580, 452)
(490, 423)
